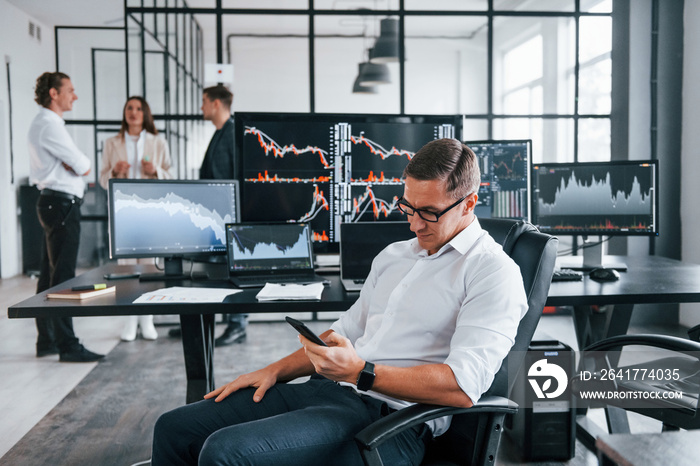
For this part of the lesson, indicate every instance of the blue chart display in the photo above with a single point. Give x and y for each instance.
(596, 198)
(505, 178)
(153, 218)
(256, 245)
(327, 169)
(269, 247)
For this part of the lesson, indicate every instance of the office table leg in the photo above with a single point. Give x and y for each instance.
(592, 326)
(198, 346)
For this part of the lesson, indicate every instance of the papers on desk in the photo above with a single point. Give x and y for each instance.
(179, 294)
(277, 291)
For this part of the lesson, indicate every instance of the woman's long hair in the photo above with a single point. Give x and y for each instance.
(148, 123)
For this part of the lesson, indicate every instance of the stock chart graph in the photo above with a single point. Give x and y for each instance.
(505, 170)
(379, 202)
(269, 243)
(604, 198)
(328, 169)
(179, 219)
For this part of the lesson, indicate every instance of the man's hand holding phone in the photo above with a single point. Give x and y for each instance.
(305, 331)
(335, 358)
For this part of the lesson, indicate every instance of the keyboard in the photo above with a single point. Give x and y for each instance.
(567, 275)
(277, 278)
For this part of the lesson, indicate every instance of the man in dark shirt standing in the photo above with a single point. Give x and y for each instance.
(219, 163)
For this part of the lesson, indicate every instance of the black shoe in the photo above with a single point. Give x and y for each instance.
(232, 334)
(175, 332)
(40, 353)
(80, 354)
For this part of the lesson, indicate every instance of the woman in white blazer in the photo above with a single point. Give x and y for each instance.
(136, 152)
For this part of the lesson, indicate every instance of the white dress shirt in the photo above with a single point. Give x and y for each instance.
(460, 306)
(50, 146)
(134, 152)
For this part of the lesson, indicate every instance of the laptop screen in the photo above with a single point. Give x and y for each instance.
(268, 247)
(360, 242)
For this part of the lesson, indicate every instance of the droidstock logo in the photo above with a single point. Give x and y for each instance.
(540, 377)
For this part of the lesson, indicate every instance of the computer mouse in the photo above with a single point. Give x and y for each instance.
(604, 274)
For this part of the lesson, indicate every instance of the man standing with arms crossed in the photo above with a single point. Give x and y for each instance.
(56, 168)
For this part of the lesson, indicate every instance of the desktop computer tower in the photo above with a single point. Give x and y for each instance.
(544, 429)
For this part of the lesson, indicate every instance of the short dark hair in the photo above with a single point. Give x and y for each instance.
(221, 93)
(46, 82)
(448, 160)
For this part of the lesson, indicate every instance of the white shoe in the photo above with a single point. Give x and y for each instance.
(130, 327)
(148, 330)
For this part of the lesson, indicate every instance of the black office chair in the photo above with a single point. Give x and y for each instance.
(474, 434)
(680, 354)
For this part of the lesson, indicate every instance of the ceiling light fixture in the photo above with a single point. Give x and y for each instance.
(358, 88)
(386, 48)
(372, 74)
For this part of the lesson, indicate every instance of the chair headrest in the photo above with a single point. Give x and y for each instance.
(514, 233)
(506, 231)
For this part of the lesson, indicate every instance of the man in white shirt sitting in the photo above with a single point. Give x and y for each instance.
(433, 322)
(56, 167)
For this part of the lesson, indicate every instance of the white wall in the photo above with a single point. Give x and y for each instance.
(28, 59)
(690, 151)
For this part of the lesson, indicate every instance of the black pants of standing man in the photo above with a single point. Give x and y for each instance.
(60, 218)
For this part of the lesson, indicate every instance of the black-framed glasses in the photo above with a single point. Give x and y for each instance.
(426, 215)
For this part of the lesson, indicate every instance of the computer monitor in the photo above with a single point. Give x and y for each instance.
(505, 178)
(170, 219)
(324, 169)
(596, 199)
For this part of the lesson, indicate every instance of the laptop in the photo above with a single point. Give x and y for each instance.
(360, 242)
(260, 253)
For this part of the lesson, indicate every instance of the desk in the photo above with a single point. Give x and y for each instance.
(648, 280)
(197, 320)
(681, 448)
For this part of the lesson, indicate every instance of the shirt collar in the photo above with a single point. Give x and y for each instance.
(52, 115)
(141, 135)
(462, 242)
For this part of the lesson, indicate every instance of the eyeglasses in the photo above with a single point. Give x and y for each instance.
(426, 215)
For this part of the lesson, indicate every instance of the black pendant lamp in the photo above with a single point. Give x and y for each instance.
(359, 89)
(372, 74)
(386, 49)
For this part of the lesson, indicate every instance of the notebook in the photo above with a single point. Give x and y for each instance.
(360, 242)
(83, 294)
(260, 253)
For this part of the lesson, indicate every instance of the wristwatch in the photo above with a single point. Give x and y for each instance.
(366, 378)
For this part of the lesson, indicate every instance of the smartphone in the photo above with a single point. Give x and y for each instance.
(305, 331)
(121, 276)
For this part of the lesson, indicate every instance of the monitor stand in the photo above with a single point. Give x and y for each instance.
(592, 258)
(172, 270)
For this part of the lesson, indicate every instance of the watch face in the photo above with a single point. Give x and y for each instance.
(366, 378)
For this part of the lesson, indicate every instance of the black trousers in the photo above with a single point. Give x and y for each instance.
(60, 219)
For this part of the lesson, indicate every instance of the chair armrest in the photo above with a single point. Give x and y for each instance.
(383, 429)
(657, 341)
